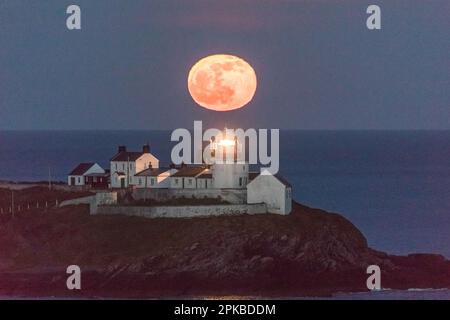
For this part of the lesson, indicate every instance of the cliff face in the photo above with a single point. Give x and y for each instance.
(310, 252)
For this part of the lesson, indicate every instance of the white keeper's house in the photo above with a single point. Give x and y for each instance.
(273, 190)
(188, 177)
(154, 178)
(125, 164)
(77, 177)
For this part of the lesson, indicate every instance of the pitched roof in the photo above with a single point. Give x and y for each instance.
(152, 172)
(283, 180)
(253, 175)
(189, 171)
(81, 169)
(205, 176)
(127, 156)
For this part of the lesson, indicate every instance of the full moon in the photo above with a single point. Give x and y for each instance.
(222, 82)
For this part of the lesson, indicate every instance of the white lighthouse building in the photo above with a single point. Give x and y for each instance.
(228, 171)
(224, 176)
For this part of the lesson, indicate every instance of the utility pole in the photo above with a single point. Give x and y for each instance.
(12, 203)
(128, 171)
(49, 179)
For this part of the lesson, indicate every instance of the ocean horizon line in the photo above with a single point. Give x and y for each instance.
(191, 129)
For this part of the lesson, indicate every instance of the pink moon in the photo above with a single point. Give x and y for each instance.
(222, 82)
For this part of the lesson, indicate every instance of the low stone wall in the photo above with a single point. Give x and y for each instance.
(77, 201)
(234, 196)
(100, 198)
(105, 198)
(183, 211)
(106, 203)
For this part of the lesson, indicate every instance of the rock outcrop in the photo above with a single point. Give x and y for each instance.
(310, 252)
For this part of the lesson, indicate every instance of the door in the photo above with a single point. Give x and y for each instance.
(72, 181)
(122, 183)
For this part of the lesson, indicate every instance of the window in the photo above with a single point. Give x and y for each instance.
(140, 181)
(240, 181)
(79, 180)
(152, 181)
(190, 181)
(176, 181)
(95, 179)
(131, 166)
(123, 166)
(129, 178)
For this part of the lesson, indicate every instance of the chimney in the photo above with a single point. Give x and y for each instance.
(122, 149)
(146, 148)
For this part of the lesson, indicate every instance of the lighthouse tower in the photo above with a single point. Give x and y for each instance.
(227, 171)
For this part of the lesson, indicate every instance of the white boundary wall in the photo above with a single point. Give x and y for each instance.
(234, 196)
(100, 198)
(184, 211)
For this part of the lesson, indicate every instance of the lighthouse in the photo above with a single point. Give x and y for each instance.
(228, 171)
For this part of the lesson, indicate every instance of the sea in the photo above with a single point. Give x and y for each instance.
(393, 185)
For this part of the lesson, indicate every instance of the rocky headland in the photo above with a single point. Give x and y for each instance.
(311, 252)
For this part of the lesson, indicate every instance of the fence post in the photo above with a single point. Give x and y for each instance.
(12, 203)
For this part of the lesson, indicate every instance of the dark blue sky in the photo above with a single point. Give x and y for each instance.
(318, 65)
